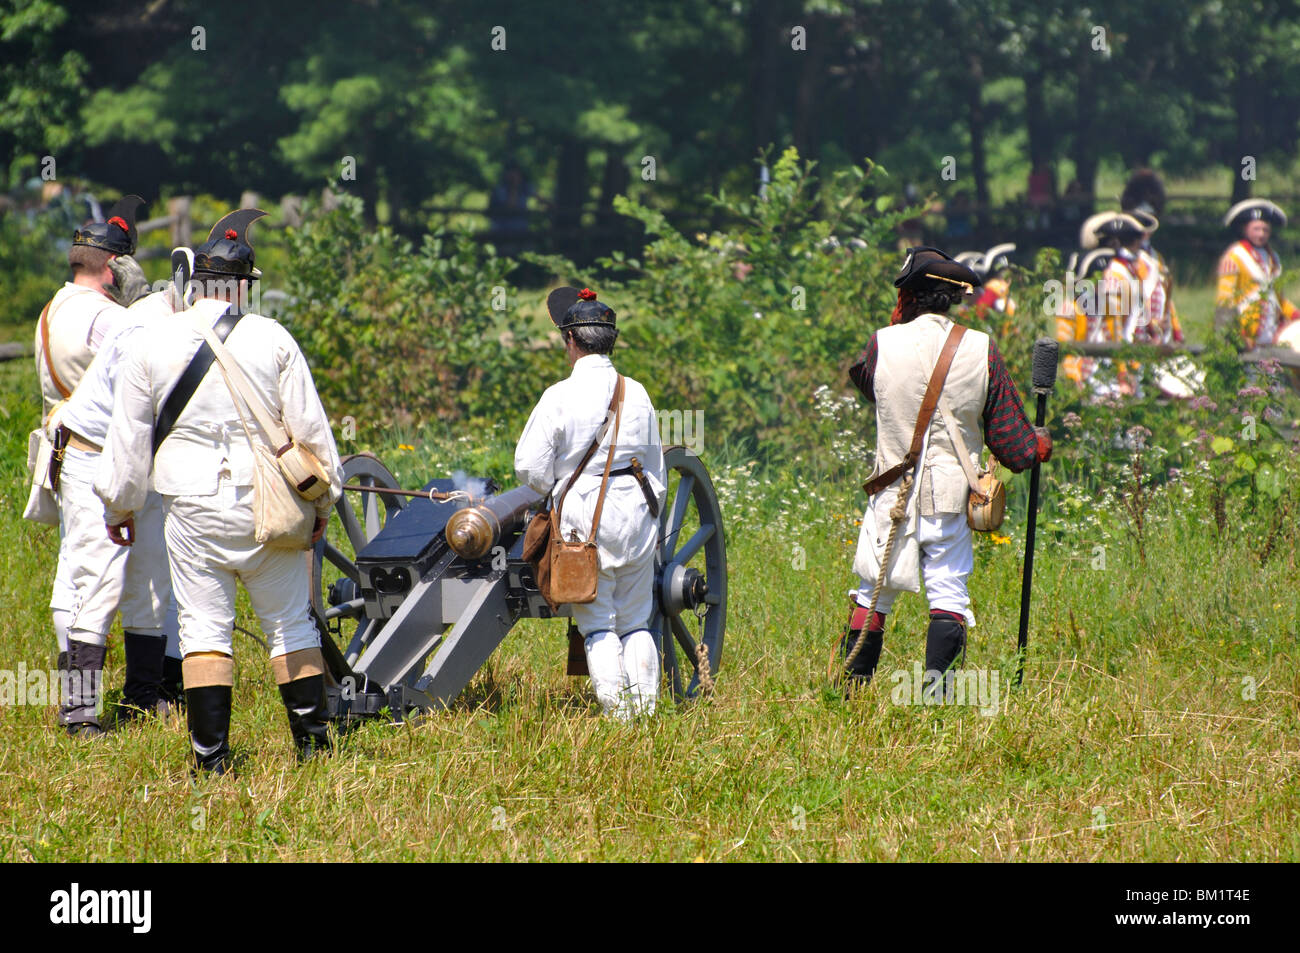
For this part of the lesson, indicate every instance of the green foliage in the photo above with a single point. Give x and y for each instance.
(747, 324)
(32, 265)
(398, 334)
(41, 81)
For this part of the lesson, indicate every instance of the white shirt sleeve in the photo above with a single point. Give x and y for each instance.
(535, 452)
(304, 416)
(653, 465)
(122, 480)
(106, 323)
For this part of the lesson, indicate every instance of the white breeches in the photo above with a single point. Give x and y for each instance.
(624, 672)
(210, 541)
(101, 576)
(947, 558)
(624, 599)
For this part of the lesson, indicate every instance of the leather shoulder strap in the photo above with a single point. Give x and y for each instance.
(928, 403)
(189, 381)
(591, 452)
(613, 441)
(61, 387)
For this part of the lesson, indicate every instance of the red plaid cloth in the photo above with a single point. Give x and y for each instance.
(1007, 429)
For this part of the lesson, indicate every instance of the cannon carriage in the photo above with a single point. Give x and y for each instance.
(414, 591)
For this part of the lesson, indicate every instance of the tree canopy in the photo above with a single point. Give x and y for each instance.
(431, 101)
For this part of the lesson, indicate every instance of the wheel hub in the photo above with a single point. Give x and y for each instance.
(683, 588)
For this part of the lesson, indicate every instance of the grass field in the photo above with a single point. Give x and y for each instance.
(1159, 718)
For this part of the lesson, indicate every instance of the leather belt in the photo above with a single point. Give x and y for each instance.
(636, 470)
(77, 442)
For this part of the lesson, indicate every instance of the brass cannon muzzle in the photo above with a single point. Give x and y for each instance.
(472, 532)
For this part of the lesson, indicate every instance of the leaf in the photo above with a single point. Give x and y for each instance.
(1221, 444)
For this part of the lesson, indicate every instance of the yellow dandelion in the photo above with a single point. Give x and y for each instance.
(405, 446)
(999, 540)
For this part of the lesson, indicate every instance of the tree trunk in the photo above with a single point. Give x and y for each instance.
(1085, 149)
(762, 79)
(812, 62)
(1036, 120)
(975, 118)
(614, 182)
(1244, 103)
(570, 194)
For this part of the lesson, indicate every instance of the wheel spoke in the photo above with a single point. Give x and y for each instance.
(694, 544)
(341, 562)
(372, 517)
(680, 501)
(683, 636)
(351, 525)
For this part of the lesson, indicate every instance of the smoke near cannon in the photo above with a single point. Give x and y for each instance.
(414, 590)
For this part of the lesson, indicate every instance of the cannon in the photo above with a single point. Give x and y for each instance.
(414, 590)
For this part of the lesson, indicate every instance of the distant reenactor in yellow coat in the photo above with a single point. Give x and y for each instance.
(1165, 327)
(1080, 316)
(1249, 275)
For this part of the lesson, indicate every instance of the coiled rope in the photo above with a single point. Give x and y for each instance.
(896, 514)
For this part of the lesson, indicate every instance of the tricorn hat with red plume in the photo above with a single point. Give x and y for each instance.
(117, 233)
(227, 252)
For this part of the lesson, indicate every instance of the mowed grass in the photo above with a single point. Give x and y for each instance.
(1159, 720)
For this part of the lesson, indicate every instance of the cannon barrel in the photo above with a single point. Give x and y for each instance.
(473, 531)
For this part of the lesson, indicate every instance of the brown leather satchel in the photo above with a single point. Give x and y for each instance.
(566, 570)
(928, 404)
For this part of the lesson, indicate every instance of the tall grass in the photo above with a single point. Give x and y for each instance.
(1159, 718)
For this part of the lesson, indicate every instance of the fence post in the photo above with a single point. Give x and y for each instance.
(179, 210)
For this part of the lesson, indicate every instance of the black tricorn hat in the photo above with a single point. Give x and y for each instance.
(1122, 226)
(227, 251)
(927, 267)
(1252, 209)
(117, 233)
(571, 308)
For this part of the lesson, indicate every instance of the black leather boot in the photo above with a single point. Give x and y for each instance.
(945, 646)
(84, 668)
(304, 702)
(864, 666)
(173, 683)
(142, 689)
(208, 716)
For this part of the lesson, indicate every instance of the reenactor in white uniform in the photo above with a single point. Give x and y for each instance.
(83, 315)
(174, 409)
(108, 577)
(622, 655)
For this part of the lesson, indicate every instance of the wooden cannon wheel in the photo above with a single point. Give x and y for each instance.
(690, 575)
(356, 520)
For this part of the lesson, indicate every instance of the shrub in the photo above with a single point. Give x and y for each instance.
(398, 335)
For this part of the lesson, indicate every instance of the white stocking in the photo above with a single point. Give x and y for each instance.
(62, 622)
(641, 661)
(605, 663)
(172, 628)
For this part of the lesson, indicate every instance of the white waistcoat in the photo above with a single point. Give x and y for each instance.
(906, 358)
(79, 318)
